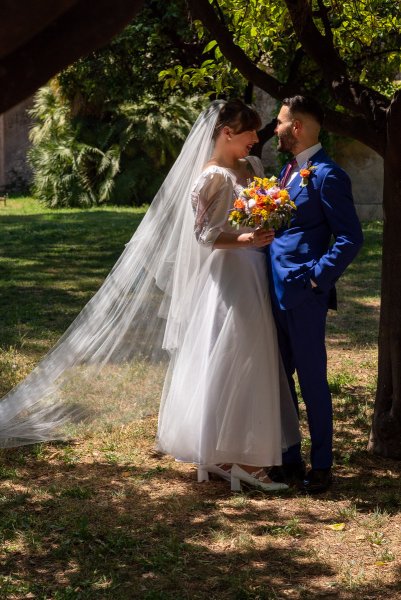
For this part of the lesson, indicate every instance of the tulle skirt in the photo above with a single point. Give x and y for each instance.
(226, 398)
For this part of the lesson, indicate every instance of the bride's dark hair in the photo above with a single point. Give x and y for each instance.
(237, 115)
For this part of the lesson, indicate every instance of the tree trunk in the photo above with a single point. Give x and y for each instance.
(385, 437)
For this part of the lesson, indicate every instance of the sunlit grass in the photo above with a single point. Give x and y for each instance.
(107, 517)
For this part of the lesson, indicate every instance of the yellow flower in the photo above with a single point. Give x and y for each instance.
(235, 215)
(284, 196)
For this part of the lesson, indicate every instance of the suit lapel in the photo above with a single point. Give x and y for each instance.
(294, 188)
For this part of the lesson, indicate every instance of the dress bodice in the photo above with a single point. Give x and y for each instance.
(212, 198)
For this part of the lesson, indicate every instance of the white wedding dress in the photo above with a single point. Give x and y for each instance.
(226, 398)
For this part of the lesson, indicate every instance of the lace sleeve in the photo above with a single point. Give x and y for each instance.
(211, 200)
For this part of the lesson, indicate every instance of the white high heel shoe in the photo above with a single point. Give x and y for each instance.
(238, 475)
(204, 470)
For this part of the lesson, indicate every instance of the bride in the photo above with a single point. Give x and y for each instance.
(188, 297)
(221, 402)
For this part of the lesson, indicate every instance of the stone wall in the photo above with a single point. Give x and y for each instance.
(365, 168)
(15, 173)
(362, 164)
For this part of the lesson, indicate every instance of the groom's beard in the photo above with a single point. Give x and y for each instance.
(286, 142)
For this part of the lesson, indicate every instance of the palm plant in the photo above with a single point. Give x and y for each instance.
(119, 158)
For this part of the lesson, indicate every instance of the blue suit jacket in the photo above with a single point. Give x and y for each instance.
(325, 209)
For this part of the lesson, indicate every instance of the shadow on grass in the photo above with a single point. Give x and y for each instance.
(356, 322)
(83, 531)
(51, 265)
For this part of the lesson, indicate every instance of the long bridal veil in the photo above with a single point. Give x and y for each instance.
(109, 365)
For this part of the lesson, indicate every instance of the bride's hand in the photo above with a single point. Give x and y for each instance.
(262, 237)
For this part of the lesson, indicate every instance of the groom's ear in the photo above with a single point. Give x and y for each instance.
(297, 125)
(298, 128)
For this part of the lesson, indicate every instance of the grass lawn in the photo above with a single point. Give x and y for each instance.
(108, 518)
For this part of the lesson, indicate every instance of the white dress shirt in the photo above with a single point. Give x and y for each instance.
(302, 158)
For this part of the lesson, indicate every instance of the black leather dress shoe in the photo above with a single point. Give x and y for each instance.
(317, 481)
(291, 473)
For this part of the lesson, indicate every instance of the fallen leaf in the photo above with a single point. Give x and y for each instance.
(336, 526)
(126, 473)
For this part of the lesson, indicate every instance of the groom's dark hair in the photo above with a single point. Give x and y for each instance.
(305, 105)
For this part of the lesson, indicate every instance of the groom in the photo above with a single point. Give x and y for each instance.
(304, 267)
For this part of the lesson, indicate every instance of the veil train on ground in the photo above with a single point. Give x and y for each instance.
(110, 364)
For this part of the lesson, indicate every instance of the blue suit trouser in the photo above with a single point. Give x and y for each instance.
(301, 337)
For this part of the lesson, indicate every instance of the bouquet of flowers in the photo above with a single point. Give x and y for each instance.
(262, 204)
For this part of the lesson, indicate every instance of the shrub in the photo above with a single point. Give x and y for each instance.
(121, 157)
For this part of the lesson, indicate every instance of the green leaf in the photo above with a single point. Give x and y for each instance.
(209, 46)
(207, 62)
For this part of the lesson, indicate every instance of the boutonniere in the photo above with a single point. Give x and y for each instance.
(306, 173)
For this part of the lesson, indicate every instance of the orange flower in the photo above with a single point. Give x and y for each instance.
(304, 173)
(239, 203)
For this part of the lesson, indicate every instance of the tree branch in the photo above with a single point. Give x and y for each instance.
(352, 95)
(323, 13)
(373, 55)
(57, 42)
(355, 127)
(21, 21)
(337, 122)
(295, 64)
(201, 10)
(220, 12)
